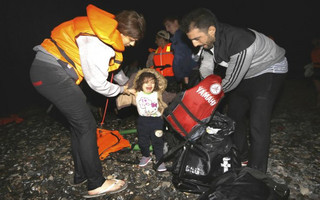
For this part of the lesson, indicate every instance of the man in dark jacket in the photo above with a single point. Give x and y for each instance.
(183, 64)
(256, 68)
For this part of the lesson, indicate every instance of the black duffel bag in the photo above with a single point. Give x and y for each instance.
(246, 184)
(197, 163)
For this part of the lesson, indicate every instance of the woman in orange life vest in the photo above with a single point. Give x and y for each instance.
(87, 48)
(163, 59)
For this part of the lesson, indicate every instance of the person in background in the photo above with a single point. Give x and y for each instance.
(183, 63)
(256, 68)
(147, 95)
(88, 47)
(131, 68)
(163, 59)
(315, 59)
(149, 61)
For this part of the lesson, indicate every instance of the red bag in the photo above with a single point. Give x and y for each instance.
(110, 141)
(192, 109)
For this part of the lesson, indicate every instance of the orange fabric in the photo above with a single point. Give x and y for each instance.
(99, 23)
(164, 56)
(110, 141)
(13, 118)
(105, 27)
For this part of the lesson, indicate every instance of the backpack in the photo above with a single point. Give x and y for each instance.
(192, 109)
(246, 184)
(197, 163)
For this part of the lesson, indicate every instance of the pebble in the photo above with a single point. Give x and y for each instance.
(36, 158)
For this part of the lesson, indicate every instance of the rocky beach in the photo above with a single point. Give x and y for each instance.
(36, 161)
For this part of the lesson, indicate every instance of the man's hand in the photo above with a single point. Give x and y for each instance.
(186, 80)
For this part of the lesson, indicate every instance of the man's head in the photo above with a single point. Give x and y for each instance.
(200, 27)
(171, 23)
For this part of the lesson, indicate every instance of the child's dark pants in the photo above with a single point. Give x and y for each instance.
(147, 126)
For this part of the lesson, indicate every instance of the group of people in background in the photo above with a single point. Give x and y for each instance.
(255, 70)
(173, 57)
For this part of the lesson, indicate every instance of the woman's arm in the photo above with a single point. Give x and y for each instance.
(95, 56)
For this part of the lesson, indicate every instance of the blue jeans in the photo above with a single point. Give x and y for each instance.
(254, 98)
(56, 85)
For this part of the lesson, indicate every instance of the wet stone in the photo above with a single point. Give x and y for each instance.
(36, 159)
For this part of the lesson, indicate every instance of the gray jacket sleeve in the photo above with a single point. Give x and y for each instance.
(121, 78)
(237, 68)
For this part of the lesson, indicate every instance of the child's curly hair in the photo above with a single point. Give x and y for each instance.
(142, 79)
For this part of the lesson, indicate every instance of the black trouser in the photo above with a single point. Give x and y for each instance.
(172, 84)
(53, 82)
(257, 96)
(146, 127)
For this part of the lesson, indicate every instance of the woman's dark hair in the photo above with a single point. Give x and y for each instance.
(200, 18)
(141, 80)
(131, 23)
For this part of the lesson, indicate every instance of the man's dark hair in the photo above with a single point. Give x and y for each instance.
(171, 18)
(200, 18)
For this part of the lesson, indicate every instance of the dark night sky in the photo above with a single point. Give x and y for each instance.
(26, 23)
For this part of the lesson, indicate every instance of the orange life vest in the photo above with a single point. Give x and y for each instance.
(162, 57)
(97, 23)
(109, 141)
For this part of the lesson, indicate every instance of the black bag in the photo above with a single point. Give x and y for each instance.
(246, 184)
(197, 163)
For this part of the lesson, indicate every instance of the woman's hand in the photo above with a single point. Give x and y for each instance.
(129, 91)
(132, 91)
(125, 88)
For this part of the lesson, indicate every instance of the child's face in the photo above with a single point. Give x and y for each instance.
(148, 85)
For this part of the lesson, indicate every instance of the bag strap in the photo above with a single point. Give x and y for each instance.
(192, 116)
(179, 125)
(168, 154)
(190, 113)
(162, 67)
(230, 175)
(281, 189)
(214, 111)
(113, 144)
(106, 106)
